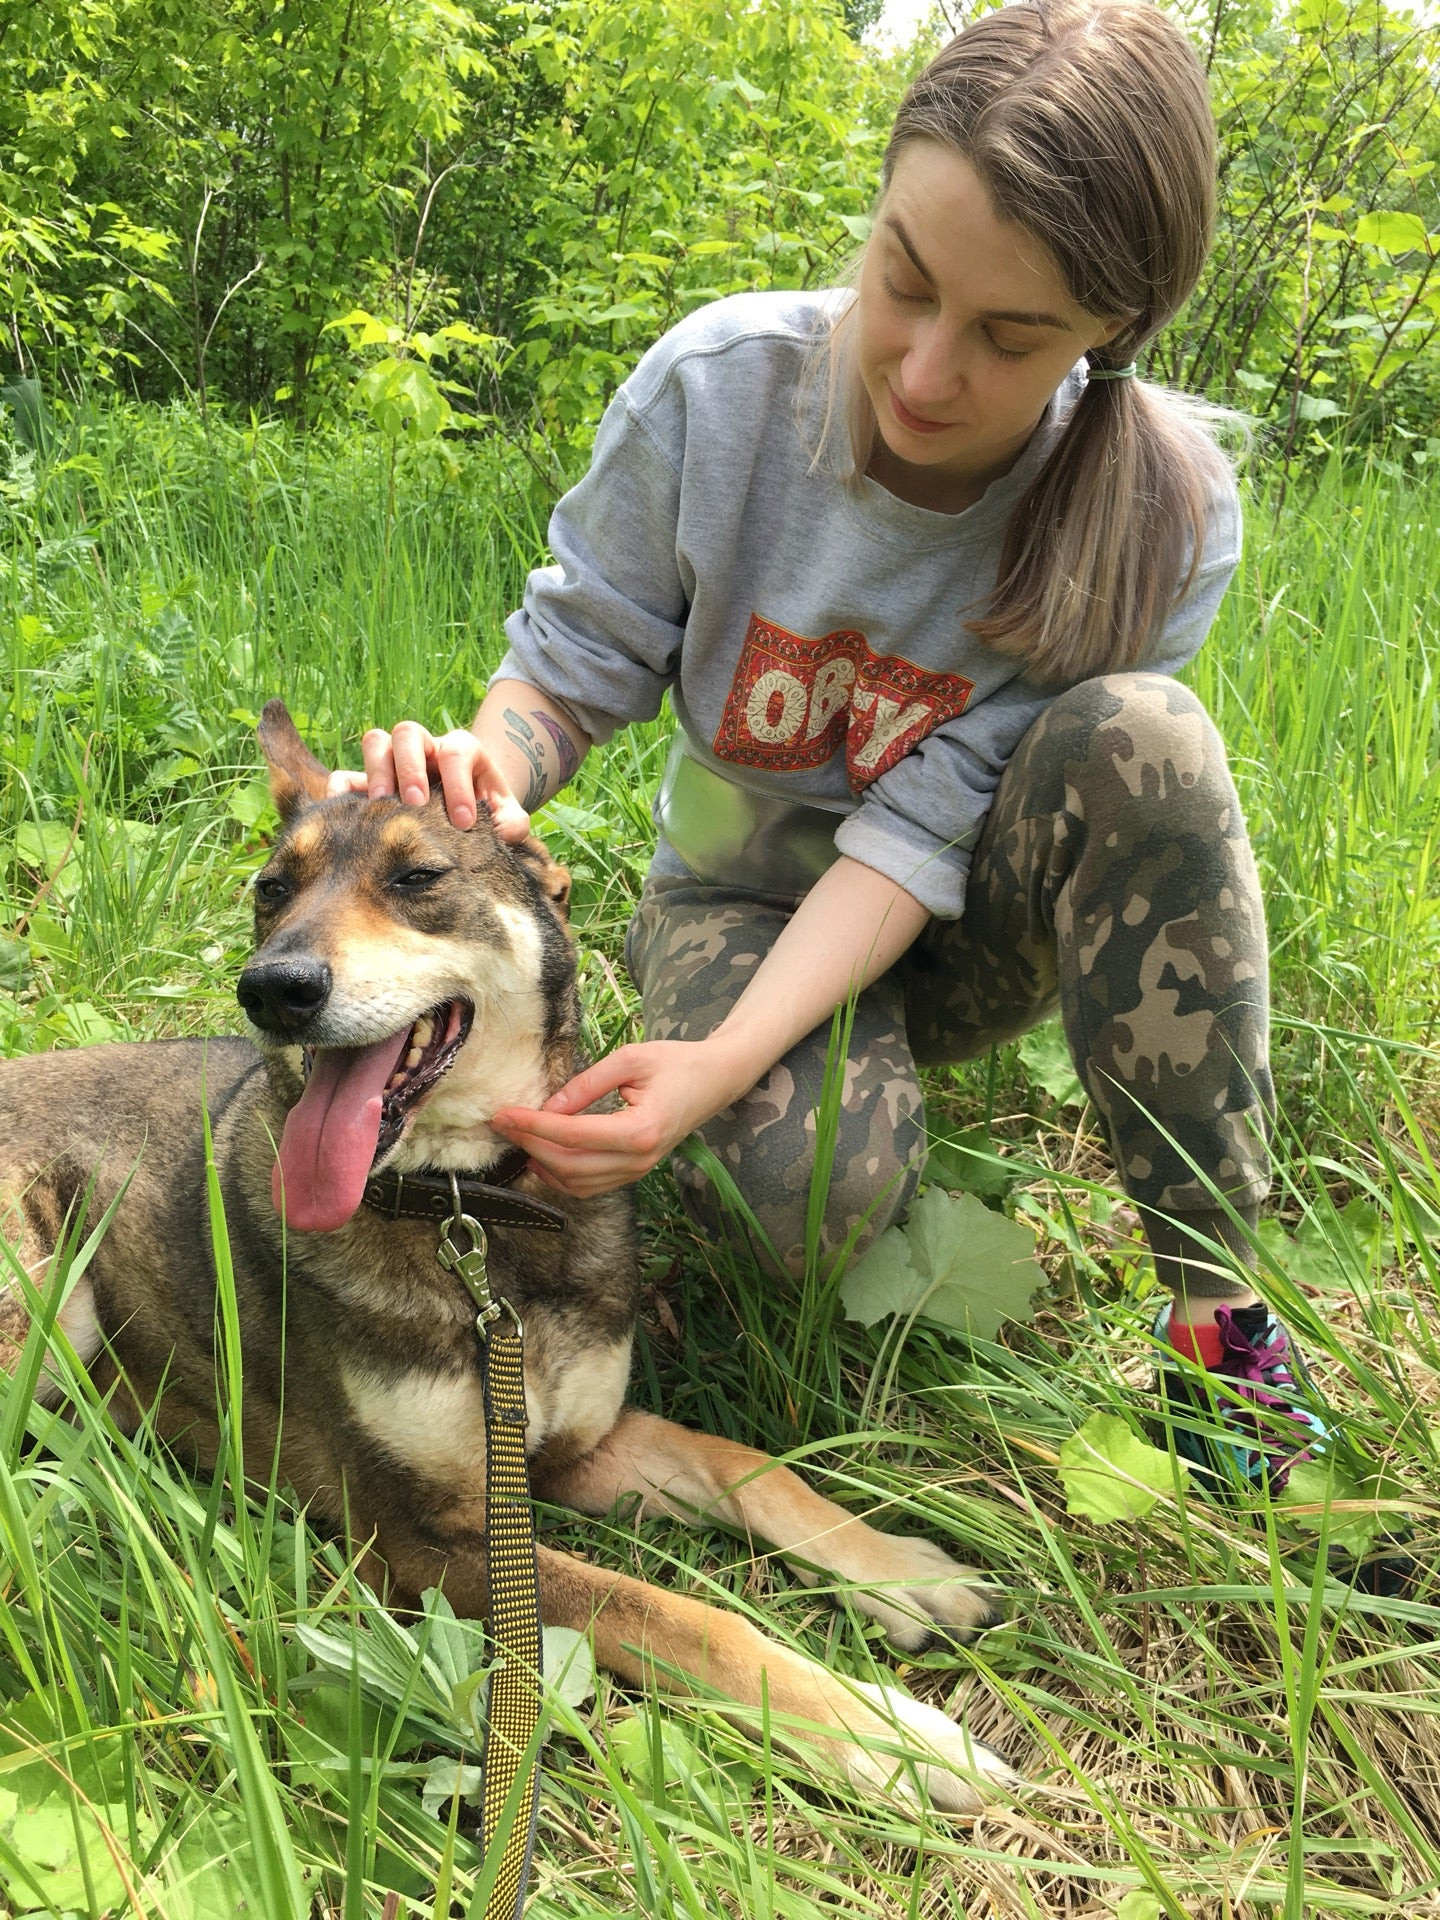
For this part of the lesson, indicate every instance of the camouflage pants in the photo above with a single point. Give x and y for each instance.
(1114, 880)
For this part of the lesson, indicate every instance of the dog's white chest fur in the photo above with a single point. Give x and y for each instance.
(435, 1423)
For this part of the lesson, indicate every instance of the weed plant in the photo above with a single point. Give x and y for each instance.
(202, 1712)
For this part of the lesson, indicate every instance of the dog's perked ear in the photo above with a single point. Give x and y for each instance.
(297, 778)
(554, 879)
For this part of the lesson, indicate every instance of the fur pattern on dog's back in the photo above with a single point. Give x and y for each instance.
(369, 916)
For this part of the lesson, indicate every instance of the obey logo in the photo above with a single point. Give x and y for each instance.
(794, 702)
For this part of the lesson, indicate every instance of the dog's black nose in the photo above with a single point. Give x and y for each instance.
(282, 995)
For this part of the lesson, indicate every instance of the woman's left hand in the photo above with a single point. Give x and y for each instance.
(669, 1088)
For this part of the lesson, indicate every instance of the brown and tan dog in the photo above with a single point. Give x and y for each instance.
(410, 979)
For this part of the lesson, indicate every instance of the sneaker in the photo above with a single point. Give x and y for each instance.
(1257, 1421)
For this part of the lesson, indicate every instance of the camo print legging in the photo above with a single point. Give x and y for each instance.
(1113, 880)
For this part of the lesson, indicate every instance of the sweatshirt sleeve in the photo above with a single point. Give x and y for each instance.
(919, 822)
(601, 630)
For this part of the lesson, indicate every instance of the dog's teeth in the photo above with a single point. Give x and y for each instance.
(395, 1080)
(414, 1057)
(424, 1030)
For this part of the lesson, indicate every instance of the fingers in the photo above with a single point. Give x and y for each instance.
(410, 753)
(607, 1075)
(405, 760)
(585, 1154)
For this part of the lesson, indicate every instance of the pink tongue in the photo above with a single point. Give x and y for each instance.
(331, 1135)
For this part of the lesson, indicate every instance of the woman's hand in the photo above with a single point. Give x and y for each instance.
(403, 761)
(669, 1087)
(851, 926)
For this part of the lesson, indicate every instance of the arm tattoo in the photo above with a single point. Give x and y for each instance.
(523, 738)
(564, 745)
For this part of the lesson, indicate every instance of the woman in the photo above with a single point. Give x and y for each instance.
(915, 567)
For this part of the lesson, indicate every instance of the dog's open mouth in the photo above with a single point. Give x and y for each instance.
(353, 1111)
(430, 1049)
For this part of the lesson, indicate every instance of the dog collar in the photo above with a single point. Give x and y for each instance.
(427, 1195)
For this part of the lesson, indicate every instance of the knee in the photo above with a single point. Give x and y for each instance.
(1144, 736)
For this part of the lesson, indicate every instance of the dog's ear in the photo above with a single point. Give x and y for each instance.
(296, 776)
(554, 879)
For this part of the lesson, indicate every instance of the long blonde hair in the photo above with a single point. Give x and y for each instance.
(1088, 123)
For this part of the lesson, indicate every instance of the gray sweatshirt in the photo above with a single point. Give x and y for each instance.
(811, 634)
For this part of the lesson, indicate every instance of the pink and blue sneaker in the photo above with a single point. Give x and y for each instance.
(1242, 1413)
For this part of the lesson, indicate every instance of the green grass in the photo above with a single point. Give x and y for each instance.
(203, 1710)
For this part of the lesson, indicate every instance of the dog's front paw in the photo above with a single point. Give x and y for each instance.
(915, 1590)
(917, 1755)
(924, 1596)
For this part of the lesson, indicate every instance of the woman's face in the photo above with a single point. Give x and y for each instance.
(965, 330)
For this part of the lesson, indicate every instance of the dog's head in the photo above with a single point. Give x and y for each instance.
(424, 973)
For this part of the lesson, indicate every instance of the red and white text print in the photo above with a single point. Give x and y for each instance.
(794, 701)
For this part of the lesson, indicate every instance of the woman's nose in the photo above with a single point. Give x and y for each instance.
(931, 370)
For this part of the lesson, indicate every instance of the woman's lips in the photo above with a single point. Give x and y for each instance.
(913, 422)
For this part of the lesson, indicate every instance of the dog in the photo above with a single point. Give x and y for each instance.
(408, 980)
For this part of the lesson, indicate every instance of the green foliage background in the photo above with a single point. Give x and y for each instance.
(189, 193)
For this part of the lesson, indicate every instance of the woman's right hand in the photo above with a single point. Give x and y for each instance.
(405, 760)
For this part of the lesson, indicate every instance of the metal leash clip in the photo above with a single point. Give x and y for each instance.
(473, 1267)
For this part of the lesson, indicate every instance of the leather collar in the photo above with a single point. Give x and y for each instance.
(427, 1195)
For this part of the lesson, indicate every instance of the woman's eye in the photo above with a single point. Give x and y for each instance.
(1008, 353)
(898, 293)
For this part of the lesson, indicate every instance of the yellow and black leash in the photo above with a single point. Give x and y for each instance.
(512, 1704)
(466, 1204)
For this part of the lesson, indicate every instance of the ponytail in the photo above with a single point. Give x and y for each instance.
(1108, 536)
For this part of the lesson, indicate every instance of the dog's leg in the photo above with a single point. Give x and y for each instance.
(878, 1738)
(911, 1587)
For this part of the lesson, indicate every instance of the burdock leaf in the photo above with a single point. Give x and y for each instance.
(1314, 1484)
(980, 1267)
(1328, 1253)
(968, 1163)
(882, 1281)
(954, 1261)
(1109, 1473)
(1046, 1060)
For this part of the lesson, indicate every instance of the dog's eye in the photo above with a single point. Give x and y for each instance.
(416, 879)
(272, 891)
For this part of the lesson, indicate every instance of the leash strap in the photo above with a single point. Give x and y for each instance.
(513, 1695)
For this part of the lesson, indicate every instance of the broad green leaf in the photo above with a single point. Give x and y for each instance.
(444, 1778)
(882, 1281)
(58, 1843)
(210, 1875)
(1318, 1484)
(1392, 232)
(1109, 1473)
(955, 1261)
(981, 1266)
(1314, 406)
(1330, 1254)
(569, 1664)
(14, 966)
(1046, 1060)
(1138, 1906)
(632, 1742)
(87, 1026)
(969, 1163)
(42, 844)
